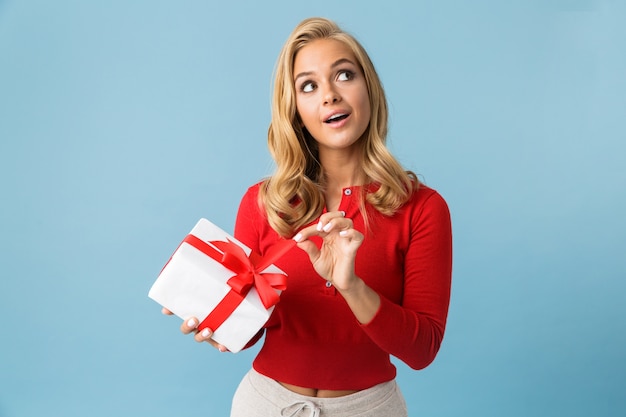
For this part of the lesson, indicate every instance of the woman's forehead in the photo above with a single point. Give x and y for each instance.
(322, 55)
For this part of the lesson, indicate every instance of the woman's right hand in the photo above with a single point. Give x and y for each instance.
(191, 325)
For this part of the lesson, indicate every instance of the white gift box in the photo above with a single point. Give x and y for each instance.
(192, 284)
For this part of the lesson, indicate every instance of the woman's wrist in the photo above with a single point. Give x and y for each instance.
(362, 300)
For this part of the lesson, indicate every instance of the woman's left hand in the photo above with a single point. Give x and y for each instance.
(334, 261)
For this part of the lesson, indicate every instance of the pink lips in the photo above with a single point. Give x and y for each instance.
(336, 118)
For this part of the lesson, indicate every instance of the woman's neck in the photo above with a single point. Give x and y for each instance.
(340, 175)
(341, 171)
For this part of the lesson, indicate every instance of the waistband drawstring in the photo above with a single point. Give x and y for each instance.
(295, 408)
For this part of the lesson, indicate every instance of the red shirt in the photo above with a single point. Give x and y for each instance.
(312, 338)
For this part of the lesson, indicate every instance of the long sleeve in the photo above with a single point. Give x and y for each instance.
(413, 331)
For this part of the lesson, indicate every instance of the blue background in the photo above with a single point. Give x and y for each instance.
(124, 122)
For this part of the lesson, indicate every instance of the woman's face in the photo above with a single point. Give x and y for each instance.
(331, 94)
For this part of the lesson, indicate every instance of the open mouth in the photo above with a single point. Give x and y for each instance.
(336, 118)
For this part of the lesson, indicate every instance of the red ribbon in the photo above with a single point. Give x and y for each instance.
(248, 274)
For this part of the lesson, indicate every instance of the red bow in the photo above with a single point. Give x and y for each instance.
(248, 274)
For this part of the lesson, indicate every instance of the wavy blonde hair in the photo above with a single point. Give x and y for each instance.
(294, 195)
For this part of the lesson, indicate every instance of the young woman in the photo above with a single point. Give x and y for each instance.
(372, 272)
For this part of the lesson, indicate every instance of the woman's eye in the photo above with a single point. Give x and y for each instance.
(307, 87)
(345, 76)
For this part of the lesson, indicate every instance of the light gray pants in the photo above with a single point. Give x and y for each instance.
(260, 396)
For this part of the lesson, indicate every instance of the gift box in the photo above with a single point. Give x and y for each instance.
(216, 278)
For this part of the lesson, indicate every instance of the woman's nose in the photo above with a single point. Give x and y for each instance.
(331, 95)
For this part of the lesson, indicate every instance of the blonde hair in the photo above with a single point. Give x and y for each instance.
(294, 195)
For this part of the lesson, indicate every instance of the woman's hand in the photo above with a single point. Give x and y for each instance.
(191, 325)
(334, 261)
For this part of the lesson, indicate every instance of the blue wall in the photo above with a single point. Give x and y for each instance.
(123, 122)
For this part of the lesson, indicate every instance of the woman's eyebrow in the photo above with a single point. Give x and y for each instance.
(341, 61)
(335, 64)
(302, 74)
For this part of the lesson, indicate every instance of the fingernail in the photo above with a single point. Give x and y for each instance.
(297, 237)
(191, 323)
(206, 333)
(327, 227)
(343, 233)
(319, 227)
(222, 349)
(343, 213)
